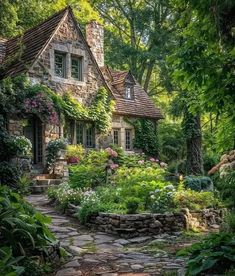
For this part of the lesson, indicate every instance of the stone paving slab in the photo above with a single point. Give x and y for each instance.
(97, 253)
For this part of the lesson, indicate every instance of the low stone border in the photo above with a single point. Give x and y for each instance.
(127, 226)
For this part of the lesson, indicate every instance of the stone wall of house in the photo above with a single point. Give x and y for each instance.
(67, 39)
(15, 126)
(119, 123)
(151, 224)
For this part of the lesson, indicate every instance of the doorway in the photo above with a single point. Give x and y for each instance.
(33, 131)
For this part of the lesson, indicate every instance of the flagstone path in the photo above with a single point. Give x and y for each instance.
(97, 253)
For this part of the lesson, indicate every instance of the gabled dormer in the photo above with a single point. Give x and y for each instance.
(129, 83)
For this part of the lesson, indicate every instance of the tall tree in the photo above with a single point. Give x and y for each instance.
(138, 32)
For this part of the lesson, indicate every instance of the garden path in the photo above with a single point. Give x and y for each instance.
(97, 253)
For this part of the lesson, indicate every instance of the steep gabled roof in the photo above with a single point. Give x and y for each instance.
(140, 106)
(22, 51)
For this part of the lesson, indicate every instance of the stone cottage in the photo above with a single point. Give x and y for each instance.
(57, 54)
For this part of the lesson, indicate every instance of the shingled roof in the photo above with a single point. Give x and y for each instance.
(140, 106)
(21, 51)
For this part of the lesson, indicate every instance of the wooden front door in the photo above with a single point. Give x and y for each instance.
(33, 131)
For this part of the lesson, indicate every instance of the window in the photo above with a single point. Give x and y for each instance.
(128, 139)
(76, 68)
(90, 136)
(116, 135)
(129, 92)
(60, 65)
(80, 127)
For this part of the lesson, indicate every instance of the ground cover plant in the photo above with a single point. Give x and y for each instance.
(23, 235)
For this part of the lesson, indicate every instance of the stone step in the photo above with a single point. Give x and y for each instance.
(39, 189)
(46, 176)
(48, 182)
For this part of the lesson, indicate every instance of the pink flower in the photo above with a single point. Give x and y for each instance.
(111, 152)
(152, 159)
(163, 165)
(141, 162)
(114, 166)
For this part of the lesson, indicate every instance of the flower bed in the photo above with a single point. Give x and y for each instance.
(109, 181)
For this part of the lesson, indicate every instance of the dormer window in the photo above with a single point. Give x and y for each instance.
(129, 95)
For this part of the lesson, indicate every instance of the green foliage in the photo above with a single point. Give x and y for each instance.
(194, 200)
(91, 171)
(226, 186)
(101, 111)
(162, 199)
(64, 194)
(23, 233)
(20, 226)
(198, 183)
(214, 254)
(24, 185)
(146, 136)
(18, 96)
(9, 264)
(53, 148)
(171, 142)
(75, 151)
(82, 176)
(132, 205)
(19, 146)
(9, 174)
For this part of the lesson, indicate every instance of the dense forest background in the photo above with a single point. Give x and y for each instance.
(181, 51)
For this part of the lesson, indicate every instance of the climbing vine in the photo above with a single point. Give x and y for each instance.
(18, 96)
(145, 135)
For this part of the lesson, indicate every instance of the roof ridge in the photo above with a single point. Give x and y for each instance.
(41, 23)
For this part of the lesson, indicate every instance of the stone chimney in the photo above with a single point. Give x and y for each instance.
(2, 48)
(95, 39)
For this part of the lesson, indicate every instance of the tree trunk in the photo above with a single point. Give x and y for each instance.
(192, 129)
(148, 75)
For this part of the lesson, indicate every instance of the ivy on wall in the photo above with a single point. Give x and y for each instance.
(145, 136)
(18, 96)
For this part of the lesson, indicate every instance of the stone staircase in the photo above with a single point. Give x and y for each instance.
(41, 182)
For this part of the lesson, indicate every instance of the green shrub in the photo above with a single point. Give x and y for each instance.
(162, 199)
(21, 228)
(194, 200)
(75, 151)
(226, 186)
(9, 265)
(82, 176)
(198, 183)
(213, 255)
(9, 174)
(24, 185)
(19, 146)
(64, 194)
(96, 158)
(132, 205)
(230, 221)
(90, 206)
(53, 149)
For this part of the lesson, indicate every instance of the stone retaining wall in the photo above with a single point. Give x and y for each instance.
(151, 224)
